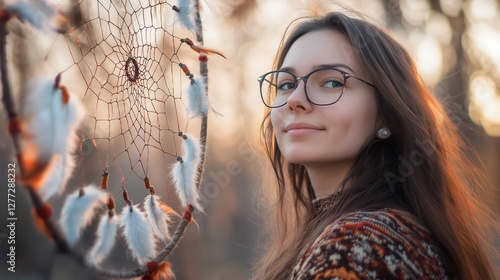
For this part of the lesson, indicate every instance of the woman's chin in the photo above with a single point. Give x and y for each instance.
(300, 159)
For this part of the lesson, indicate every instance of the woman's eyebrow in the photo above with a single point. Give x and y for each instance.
(288, 69)
(335, 65)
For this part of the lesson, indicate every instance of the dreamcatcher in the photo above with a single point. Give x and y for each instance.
(129, 93)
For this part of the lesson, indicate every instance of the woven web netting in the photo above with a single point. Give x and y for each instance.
(125, 61)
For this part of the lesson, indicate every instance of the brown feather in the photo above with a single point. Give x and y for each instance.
(206, 51)
(165, 207)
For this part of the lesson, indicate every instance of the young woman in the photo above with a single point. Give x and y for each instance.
(370, 169)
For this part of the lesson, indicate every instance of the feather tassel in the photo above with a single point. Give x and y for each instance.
(78, 210)
(197, 98)
(138, 234)
(185, 172)
(52, 116)
(184, 13)
(106, 233)
(158, 218)
(191, 149)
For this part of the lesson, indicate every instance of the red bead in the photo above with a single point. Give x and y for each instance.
(203, 58)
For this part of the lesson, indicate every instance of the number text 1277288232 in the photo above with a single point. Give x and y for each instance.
(11, 215)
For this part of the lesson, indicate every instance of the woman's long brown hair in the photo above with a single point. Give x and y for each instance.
(423, 168)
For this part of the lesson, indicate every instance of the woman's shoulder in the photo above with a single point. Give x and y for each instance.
(386, 243)
(392, 223)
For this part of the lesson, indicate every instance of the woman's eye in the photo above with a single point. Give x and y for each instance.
(333, 84)
(286, 86)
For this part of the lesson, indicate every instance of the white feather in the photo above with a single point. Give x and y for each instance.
(197, 98)
(184, 15)
(191, 149)
(185, 173)
(51, 123)
(41, 93)
(38, 13)
(72, 114)
(52, 129)
(138, 234)
(41, 114)
(106, 233)
(157, 217)
(78, 211)
(62, 168)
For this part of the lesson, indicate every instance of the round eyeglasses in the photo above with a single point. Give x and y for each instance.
(323, 86)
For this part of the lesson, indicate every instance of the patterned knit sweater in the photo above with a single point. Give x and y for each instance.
(384, 244)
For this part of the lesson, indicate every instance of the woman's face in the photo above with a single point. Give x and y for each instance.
(327, 135)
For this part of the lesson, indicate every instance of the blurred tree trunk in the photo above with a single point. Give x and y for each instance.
(394, 14)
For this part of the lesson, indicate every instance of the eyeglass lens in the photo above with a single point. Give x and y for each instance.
(323, 87)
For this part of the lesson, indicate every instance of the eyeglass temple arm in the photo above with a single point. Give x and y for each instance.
(261, 79)
(361, 80)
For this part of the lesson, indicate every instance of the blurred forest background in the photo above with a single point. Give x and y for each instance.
(456, 44)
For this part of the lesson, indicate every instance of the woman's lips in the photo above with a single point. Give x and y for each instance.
(301, 129)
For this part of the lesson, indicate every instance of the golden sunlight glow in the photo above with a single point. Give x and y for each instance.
(483, 9)
(486, 39)
(482, 46)
(428, 57)
(415, 11)
(439, 28)
(451, 7)
(484, 104)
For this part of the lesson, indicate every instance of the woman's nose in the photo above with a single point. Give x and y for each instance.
(298, 101)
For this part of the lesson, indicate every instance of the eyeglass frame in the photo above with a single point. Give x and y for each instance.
(345, 74)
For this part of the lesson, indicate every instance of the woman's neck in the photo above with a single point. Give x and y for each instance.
(326, 177)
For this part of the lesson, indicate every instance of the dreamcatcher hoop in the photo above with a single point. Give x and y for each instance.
(43, 210)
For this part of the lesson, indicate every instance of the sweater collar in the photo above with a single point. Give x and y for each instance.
(321, 204)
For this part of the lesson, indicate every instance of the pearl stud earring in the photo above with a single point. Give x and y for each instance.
(383, 133)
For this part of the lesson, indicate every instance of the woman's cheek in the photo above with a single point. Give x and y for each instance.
(276, 119)
(277, 123)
